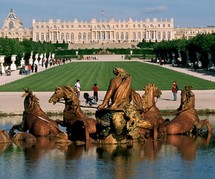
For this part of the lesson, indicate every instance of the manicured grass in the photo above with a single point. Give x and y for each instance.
(101, 72)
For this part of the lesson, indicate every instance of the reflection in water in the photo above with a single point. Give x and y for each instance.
(187, 145)
(150, 159)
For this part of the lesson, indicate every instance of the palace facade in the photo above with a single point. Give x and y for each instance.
(94, 31)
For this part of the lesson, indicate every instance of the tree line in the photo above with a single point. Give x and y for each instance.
(198, 51)
(9, 47)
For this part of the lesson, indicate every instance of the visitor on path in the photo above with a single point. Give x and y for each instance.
(95, 92)
(174, 90)
(36, 68)
(78, 87)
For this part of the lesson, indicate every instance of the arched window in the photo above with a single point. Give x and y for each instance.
(84, 36)
(122, 36)
(89, 36)
(55, 36)
(11, 25)
(117, 36)
(47, 37)
(169, 36)
(98, 36)
(79, 37)
(134, 36)
(159, 36)
(37, 37)
(139, 36)
(42, 37)
(164, 36)
(62, 36)
(72, 37)
(126, 36)
(67, 36)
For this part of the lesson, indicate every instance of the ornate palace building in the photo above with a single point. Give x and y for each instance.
(94, 31)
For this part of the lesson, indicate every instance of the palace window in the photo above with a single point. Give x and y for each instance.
(62, 36)
(117, 36)
(47, 37)
(134, 36)
(164, 35)
(98, 36)
(139, 36)
(159, 36)
(37, 36)
(84, 36)
(72, 37)
(55, 36)
(67, 36)
(169, 36)
(126, 36)
(122, 36)
(89, 36)
(79, 37)
(11, 25)
(42, 37)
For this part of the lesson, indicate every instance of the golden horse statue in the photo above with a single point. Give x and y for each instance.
(79, 127)
(150, 111)
(35, 120)
(186, 120)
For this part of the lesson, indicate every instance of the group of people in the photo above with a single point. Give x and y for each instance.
(119, 76)
(94, 88)
(28, 69)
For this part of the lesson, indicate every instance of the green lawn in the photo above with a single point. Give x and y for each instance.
(101, 73)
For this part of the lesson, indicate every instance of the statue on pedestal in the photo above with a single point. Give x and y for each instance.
(31, 59)
(1, 64)
(36, 59)
(13, 65)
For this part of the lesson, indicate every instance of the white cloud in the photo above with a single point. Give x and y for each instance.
(155, 9)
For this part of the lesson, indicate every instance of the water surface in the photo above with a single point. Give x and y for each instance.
(172, 157)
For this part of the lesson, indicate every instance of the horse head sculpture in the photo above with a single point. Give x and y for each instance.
(151, 92)
(151, 113)
(187, 99)
(74, 119)
(68, 93)
(35, 120)
(30, 100)
(186, 120)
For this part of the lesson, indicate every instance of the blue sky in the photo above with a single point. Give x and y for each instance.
(186, 13)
